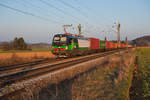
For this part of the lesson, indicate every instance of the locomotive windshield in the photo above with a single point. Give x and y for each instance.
(63, 39)
(56, 39)
(59, 40)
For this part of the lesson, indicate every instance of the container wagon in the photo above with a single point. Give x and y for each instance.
(72, 45)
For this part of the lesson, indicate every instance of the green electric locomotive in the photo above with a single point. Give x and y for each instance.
(69, 45)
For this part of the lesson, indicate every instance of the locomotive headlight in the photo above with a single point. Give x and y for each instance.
(66, 47)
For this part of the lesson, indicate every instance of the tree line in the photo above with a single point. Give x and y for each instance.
(16, 44)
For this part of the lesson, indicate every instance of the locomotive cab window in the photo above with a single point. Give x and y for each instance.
(59, 40)
(56, 39)
(63, 39)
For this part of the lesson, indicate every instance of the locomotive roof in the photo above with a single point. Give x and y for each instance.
(71, 36)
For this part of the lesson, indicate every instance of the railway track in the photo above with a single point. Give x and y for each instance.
(11, 78)
(25, 66)
(14, 66)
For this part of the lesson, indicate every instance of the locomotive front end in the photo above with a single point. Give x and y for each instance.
(59, 45)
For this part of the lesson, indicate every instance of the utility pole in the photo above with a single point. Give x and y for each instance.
(105, 38)
(126, 40)
(118, 34)
(79, 29)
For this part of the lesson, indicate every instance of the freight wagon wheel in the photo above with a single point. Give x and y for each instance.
(75, 52)
(85, 53)
(69, 55)
(57, 56)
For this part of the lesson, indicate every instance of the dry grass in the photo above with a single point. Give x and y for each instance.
(144, 47)
(101, 83)
(110, 82)
(13, 58)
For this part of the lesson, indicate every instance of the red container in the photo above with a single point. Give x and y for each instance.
(125, 45)
(115, 45)
(122, 45)
(111, 44)
(107, 44)
(94, 43)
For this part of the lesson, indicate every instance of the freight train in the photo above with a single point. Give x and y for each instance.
(69, 45)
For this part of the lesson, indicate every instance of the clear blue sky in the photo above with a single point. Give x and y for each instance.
(96, 16)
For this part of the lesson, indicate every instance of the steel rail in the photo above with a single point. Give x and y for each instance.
(28, 64)
(26, 74)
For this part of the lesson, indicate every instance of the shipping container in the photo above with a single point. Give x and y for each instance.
(107, 44)
(116, 45)
(94, 43)
(129, 45)
(122, 45)
(125, 45)
(102, 44)
(111, 44)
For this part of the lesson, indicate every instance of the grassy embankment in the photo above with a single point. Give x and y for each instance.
(141, 77)
(109, 82)
(22, 56)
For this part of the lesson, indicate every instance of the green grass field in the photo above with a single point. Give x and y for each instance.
(141, 79)
(33, 50)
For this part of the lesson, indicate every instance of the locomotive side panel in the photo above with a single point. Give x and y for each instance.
(83, 43)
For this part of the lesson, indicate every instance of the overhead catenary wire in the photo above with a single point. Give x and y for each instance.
(89, 10)
(76, 9)
(83, 5)
(41, 9)
(60, 10)
(76, 19)
(31, 14)
(85, 15)
(28, 13)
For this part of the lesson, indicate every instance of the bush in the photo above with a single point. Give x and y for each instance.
(5, 46)
(16, 44)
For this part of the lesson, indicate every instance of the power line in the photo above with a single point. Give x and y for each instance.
(76, 9)
(85, 15)
(60, 10)
(83, 5)
(28, 13)
(89, 9)
(38, 7)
